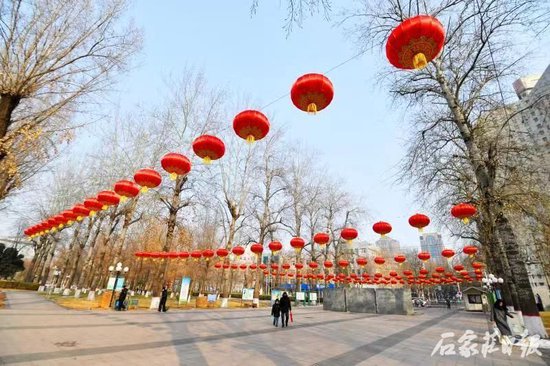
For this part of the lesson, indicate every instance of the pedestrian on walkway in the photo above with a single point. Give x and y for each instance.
(498, 317)
(122, 298)
(540, 306)
(285, 306)
(448, 301)
(163, 298)
(276, 312)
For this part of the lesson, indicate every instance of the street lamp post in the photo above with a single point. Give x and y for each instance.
(118, 269)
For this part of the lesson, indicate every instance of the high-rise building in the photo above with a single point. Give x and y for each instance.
(388, 246)
(432, 243)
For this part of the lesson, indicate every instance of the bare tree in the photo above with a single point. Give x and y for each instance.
(55, 54)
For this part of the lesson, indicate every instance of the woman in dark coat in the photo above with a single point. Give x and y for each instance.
(285, 306)
(499, 314)
(163, 298)
(122, 298)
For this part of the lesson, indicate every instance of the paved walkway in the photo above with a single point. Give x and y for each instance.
(34, 331)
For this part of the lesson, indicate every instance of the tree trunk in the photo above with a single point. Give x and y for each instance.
(65, 269)
(127, 222)
(73, 278)
(48, 262)
(83, 278)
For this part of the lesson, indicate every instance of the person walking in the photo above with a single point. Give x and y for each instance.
(448, 301)
(122, 298)
(498, 316)
(285, 306)
(540, 306)
(163, 298)
(276, 312)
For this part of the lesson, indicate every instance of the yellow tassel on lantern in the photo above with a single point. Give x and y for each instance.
(419, 61)
(123, 198)
(207, 160)
(173, 176)
(70, 222)
(312, 108)
(350, 242)
(53, 230)
(47, 231)
(465, 220)
(60, 226)
(297, 250)
(79, 218)
(250, 139)
(92, 213)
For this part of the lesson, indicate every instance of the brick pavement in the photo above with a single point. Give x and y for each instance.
(34, 331)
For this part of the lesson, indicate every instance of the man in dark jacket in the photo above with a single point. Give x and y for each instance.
(285, 307)
(163, 298)
(122, 298)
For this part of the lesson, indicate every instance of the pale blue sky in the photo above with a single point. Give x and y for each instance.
(359, 134)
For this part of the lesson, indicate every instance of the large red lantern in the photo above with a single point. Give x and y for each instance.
(298, 265)
(313, 265)
(469, 250)
(196, 255)
(419, 221)
(408, 272)
(175, 164)
(251, 125)
(257, 248)
(208, 148)
(93, 205)
(70, 216)
(379, 260)
(297, 243)
(312, 93)
(448, 253)
(286, 266)
(237, 251)
(415, 42)
(208, 253)
(327, 264)
(400, 259)
(463, 211)
(361, 261)
(477, 265)
(458, 267)
(147, 178)
(424, 256)
(275, 246)
(183, 255)
(108, 198)
(439, 269)
(321, 238)
(222, 252)
(382, 228)
(348, 234)
(126, 189)
(342, 263)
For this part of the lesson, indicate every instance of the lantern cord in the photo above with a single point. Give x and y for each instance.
(325, 72)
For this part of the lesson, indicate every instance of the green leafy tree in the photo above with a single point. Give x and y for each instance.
(11, 261)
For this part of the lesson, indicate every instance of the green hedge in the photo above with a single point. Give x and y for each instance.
(19, 285)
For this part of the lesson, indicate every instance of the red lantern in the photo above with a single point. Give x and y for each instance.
(93, 205)
(275, 246)
(361, 261)
(183, 255)
(477, 265)
(238, 251)
(172, 255)
(126, 189)
(298, 266)
(69, 215)
(208, 253)
(222, 252)
(424, 256)
(448, 253)
(400, 258)
(321, 238)
(382, 228)
(298, 244)
(327, 264)
(463, 211)
(274, 266)
(407, 272)
(439, 269)
(312, 93)
(251, 125)
(393, 274)
(470, 250)
(208, 148)
(458, 267)
(343, 263)
(218, 265)
(196, 255)
(243, 267)
(175, 164)
(257, 248)
(108, 198)
(234, 266)
(286, 266)
(147, 178)
(263, 266)
(253, 266)
(415, 42)
(379, 260)
(424, 271)
(348, 234)
(419, 221)
(313, 265)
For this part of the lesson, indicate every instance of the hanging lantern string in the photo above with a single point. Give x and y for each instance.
(326, 72)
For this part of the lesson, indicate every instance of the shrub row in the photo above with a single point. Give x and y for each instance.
(19, 285)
